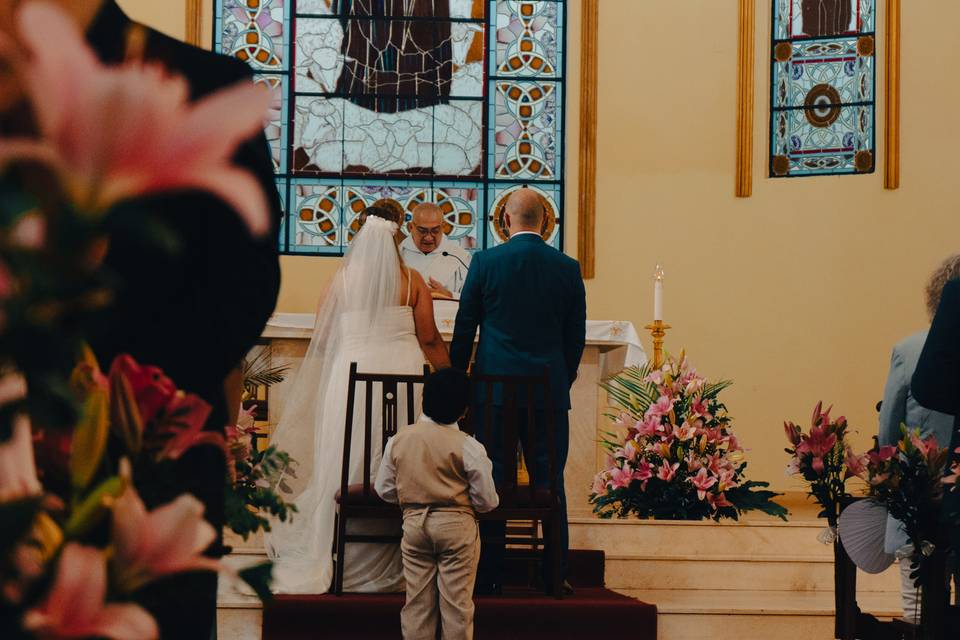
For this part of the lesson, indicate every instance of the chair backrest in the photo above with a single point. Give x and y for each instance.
(387, 388)
(517, 397)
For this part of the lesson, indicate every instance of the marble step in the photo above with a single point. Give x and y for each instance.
(733, 572)
(667, 538)
(753, 614)
(239, 617)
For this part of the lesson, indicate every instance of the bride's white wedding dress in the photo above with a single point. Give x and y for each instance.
(356, 326)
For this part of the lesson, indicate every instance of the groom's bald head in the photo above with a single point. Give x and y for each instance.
(524, 209)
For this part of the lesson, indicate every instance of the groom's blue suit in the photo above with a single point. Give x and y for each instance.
(529, 303)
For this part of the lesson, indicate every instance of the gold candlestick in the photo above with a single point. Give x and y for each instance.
(659, 331)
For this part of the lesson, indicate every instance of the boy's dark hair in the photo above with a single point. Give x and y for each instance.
(446, 394)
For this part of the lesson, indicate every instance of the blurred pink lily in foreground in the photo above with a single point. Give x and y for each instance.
(75, 606)
(113, 133)
(169, 539)
(18, 472)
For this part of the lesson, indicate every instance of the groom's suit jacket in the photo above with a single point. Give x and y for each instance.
(528, 300)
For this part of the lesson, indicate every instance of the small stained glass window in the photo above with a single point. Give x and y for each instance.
(823, 58)
(456, 102)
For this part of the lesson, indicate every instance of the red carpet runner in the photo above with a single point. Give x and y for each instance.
(591, 613)
(520, 614)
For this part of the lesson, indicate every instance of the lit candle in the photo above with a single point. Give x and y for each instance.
(658, 294)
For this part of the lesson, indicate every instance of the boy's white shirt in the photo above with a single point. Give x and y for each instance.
(483, 493)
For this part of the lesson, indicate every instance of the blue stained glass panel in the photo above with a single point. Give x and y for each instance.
(525, 136)
(275, 127)
(823, 89)
(316, 218)
(837, 63)
(253, 31)
(843, 146)
(529, 39)
(452, 101)
(822, 18)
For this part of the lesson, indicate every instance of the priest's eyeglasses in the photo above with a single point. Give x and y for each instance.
(433, 231)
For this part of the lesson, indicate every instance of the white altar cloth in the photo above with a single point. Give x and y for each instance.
(609, 333)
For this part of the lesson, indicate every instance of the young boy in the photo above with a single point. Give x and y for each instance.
(441, 478)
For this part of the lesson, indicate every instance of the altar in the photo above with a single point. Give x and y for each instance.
(611, 345)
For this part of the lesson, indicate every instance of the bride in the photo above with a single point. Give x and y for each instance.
(378, 313)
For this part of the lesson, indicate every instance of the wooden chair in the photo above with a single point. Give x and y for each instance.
(360, 500)
(523, 502)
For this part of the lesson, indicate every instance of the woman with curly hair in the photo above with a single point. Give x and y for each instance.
(900, 406)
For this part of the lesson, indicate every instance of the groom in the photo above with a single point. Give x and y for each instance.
(528, 300)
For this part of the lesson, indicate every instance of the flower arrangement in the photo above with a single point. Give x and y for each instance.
(679, 458)
(81, 451)
(824, 459)
(251, 492)
(52, 548)
(908, 479)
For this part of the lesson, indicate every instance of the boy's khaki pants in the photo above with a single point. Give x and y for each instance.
(441, 548)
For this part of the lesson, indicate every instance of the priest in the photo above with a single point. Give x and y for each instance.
(442, 262)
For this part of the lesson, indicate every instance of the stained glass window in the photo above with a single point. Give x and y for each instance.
(823, 87)
(456, 102)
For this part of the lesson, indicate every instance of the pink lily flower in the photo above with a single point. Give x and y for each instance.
(820, 442)
(817, 464)
(661, 407)
(793, 467)
(169, 539)
(29, 232)
(952, 479)
(114, 133)
(181, 424)
(75, 606)
(667, 471)
(718, 500)
(698, 409)
(684, 432)
(18, 472)
(856, 465)
(702, 481)
(620, 478)
(152, 390)
(13, 387)
(792, 432)
(649, 426)
(881, 455)
(644, 470)
(927, 447)
(727, 479)
(599, 484)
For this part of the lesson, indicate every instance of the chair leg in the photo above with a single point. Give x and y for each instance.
(341, 533)
(556, 554)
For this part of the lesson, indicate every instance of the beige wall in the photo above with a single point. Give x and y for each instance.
(164, 15)
(797, 293)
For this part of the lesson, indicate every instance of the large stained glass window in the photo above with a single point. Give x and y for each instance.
(823, 83)
(457, 102)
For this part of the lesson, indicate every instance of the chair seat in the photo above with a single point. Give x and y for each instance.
(524, 500)
(355, 496)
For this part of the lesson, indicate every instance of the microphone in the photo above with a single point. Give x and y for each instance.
(447, 254)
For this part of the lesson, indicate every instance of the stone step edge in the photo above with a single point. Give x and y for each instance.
(704, 608)
(649, 557)
(743, 524)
